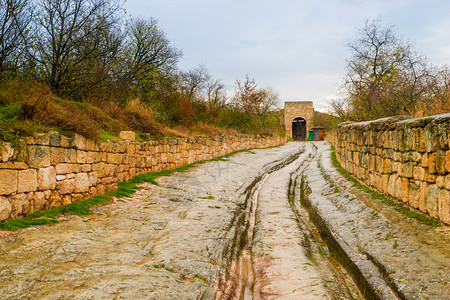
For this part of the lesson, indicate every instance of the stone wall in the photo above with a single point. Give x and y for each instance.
(49, 170)
(408, 160)
(298, 109)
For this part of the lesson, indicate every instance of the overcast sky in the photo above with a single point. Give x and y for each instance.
(297, 47)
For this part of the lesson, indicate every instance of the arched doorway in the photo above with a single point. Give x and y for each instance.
(299, 129)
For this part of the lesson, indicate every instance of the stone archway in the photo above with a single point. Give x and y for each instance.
(298, 110)
(299, 129)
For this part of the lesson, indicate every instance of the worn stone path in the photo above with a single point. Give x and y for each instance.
(233, 229)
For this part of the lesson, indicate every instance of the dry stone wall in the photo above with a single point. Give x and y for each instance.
(49, 170)
(405, 159)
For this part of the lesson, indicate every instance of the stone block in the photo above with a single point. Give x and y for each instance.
(404, 189)
(440, 181)
(5, 208)
(447, 161)
(64, 168)
(424, 162)
(66, 186)
(440, 163)
(39, 201)
(387, 166)
(46, 178)
(66, 142)
(55, 200)
(127, 135)
(79, 142)
(81, 157)
(419, 173)
(20, 205)
(27, 181)
(57, 155)
(8, 182)
(444, 206)
(38, 156)
(93, 178)
(407, 170)
(432, 200)
(447, 182)
(82, 183)
(414, 194)
(60, 177)
(423, 196)
(6, 151)
(54, 138)
(18, 165)
(42, 139)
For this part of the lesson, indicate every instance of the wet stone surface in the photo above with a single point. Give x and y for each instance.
(230, 229)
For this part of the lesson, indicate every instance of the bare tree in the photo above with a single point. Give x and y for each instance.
(147, 49)
(194, 81)
(74, 39)
(385, 76)
(215, 93)
(252, 99)
(15, 18)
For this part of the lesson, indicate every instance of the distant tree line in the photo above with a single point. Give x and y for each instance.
(89, 49)
(386, 76)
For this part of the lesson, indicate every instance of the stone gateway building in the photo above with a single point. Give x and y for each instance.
(298, 118)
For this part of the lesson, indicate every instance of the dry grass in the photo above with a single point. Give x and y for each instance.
(433, 107)
(36, 108)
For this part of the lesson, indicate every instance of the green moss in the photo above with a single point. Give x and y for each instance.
(106, 136)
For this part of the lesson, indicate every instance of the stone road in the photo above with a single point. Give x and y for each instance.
(234, 229)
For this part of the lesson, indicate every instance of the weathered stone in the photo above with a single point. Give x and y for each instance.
(60, 177)
(432, 163)
(81, 156)
(8, 182)
(27, 181)
(82, 183)
(93, 178)
(80, 142)
(440, 181)
(66, 142)
(423, 196)
(64, 168)
(127, 135)
(447, 182)
(413, 194)
(20, 165)
(407, 170)
(440, 163)
(58, 155)
(55, 138)
(66, 186)
(419, 173)
(5, 208)
(39, 201)
(20, 205)
(42, 139)
(46, 178)
(432, 200)
(444, 205)
(404, 189)
(447, 161)
(38, 156)
(55, 200)
(66, 199)
(424, 162)
(6, 151)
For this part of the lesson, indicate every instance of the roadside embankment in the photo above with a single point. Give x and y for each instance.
(49, 170)
(405, 159)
